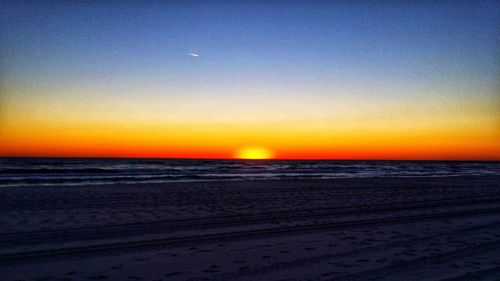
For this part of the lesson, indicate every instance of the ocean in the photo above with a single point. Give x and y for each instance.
(93, 171)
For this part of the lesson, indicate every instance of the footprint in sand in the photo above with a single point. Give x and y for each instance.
(175, 273)
(98, 277)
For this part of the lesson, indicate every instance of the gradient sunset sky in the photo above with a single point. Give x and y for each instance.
(305, 79)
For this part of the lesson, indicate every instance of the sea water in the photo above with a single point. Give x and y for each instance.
(92, 171)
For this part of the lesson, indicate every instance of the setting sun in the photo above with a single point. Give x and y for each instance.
(254, 153)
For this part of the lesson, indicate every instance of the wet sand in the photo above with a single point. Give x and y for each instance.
(344, 229)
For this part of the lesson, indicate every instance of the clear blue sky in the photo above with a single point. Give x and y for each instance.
(320, 55)
(285, 39)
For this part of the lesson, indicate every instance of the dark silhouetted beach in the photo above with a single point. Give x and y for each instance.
(365, 228)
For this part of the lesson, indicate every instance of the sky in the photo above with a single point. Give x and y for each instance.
(302, 79)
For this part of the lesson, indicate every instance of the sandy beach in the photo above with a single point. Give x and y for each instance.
(426, 228)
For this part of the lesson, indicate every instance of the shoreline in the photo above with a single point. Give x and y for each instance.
(190, 182)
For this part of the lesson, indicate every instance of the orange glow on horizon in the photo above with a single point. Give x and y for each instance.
(254, 153)
(460, 133)
(229, 145)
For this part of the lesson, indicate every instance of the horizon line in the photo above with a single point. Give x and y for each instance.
(240, 159)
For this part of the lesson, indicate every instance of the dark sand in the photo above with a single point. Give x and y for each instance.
(345, 229)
